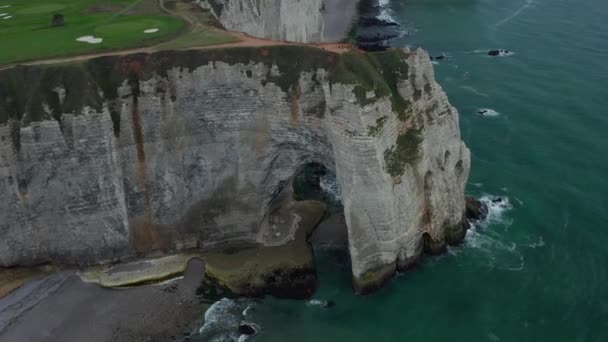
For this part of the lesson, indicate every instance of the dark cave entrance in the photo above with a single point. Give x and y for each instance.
(330, 239)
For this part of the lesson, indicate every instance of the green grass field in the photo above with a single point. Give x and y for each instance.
(29, 35)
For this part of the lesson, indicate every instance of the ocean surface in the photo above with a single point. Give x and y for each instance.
(538, 270)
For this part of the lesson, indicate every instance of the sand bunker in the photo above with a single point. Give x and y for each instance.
(152, 30)
(5, 6)
(90, 39)
(8, 17)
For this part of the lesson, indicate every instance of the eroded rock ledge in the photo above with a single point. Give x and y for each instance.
(114, 157)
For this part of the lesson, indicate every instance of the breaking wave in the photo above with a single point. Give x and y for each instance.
(330, 186)
(385, 12)
(487, 112)
(222, 321)
(486, 236)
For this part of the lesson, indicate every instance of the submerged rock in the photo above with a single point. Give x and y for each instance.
(246, 328)
(475, 209)
(328, 304)
(499, 52)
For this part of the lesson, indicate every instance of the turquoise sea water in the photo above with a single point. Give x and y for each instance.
(539, 271)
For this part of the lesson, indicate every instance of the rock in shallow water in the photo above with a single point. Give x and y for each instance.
(475, 209)
(499, 52)
(328, 304)
(247, 328)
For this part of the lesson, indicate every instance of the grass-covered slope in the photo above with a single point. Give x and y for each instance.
(27, 33)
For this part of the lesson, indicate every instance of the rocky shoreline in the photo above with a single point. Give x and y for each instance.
(62, 307)
(282, 271)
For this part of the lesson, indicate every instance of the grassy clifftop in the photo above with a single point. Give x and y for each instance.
(27, 31)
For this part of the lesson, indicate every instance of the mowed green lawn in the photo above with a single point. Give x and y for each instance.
(28, 34)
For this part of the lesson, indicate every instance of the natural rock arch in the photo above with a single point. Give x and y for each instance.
(183, 150)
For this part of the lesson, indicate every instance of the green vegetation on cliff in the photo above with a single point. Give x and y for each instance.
(34, 93)
(377, 72)
(406, 150)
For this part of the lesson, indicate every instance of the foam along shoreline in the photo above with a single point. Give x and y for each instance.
(385, 12)
(62, 307)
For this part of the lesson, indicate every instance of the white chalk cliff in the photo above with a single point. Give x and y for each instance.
(292, 20)
(105, 159)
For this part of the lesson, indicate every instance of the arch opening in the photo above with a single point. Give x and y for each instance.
(329, 240)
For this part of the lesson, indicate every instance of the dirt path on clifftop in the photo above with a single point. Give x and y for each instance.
(245, 41)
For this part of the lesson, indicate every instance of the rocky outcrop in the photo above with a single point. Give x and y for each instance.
(119, 156)
(283, 271)
(292, 20)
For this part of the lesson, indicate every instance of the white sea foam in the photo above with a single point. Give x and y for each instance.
(329, 184)
(434, 62)
(519, 267)
(385, 12)
(479, 51)
(496, 211)
(501, 52)
(222, 320)
(496, 208)
(90, 39)
(487, 237)
(504, 53)
(151, 30)
(487, 112)
(537, 244)
(315, 302)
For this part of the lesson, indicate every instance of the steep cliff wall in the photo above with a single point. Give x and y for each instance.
(292, 20)
(107, 158)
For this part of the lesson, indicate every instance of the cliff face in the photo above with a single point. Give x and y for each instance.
(292, 20)
(116, 156)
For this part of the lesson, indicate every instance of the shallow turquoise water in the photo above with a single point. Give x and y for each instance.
(539, 272)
